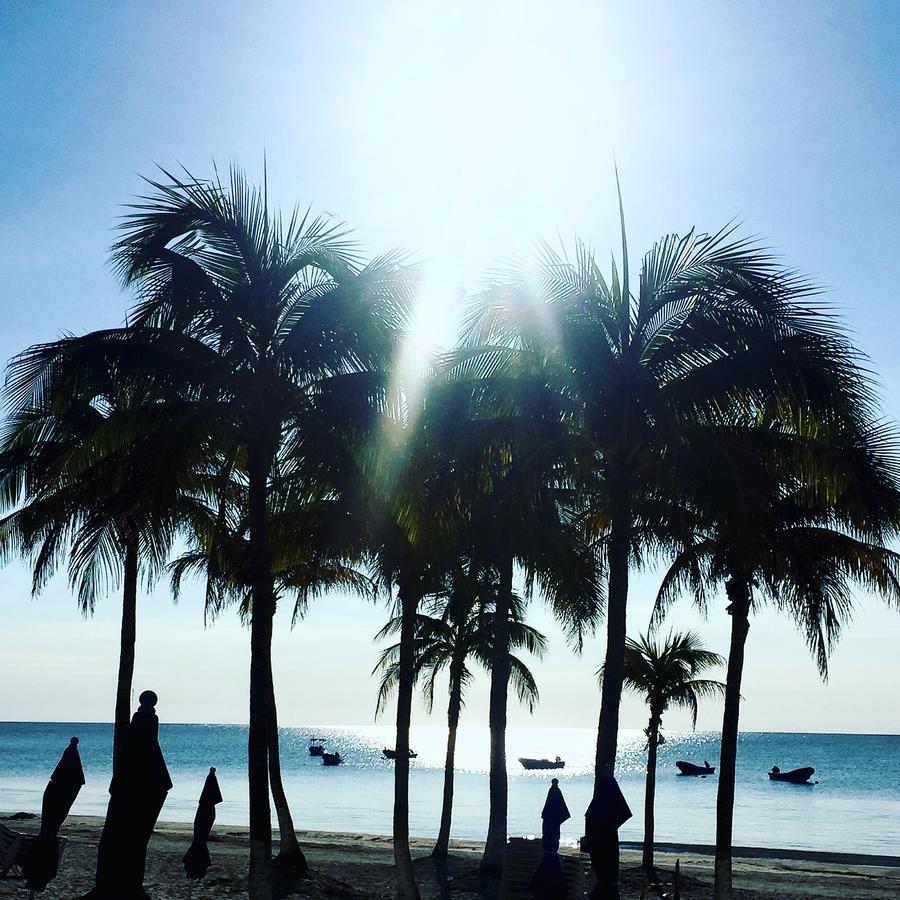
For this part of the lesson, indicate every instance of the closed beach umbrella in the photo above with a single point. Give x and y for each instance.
(549, 882)
(196, 860)
(42, 862)
(137, 793)
(555, 812)
(607, 812)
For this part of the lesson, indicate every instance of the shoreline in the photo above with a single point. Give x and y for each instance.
(360, 865)
(666, 848)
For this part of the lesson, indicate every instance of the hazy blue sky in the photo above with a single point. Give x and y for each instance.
(460, 131)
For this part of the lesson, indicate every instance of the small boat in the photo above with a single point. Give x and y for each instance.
(316, 749)
(687, 768)
(392, 754)
(528, 763)
(331, 759)
(795, 776)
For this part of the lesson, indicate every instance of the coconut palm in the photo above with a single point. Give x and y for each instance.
(95, 476)
(794, 520)
(457, 627)
(667, 674)
(304, 566)
(714, 330)
(506, 441)
(272, 327)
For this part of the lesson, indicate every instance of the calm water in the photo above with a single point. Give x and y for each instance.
(855, 807)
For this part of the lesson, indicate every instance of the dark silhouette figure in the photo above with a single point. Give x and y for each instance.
(196, 860)
(42, 862)
(555, 812)
(137, 793)
(549, 881)
(607, 812)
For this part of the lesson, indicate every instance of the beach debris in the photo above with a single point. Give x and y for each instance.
(137, 794)
(41, 862)
(197, 859)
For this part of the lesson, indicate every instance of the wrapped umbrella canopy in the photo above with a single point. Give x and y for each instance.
(555, 812)
(137, 793)
(42, 861)
(608, 810)
(197, 860)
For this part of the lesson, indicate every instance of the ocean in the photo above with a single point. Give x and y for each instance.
(855, 807)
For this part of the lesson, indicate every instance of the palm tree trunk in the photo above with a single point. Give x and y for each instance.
(606, 864)
(126, 649)
(442, 845)
(495, 846)
(406, 879)
(650, 793)
(291, 862)
(259, 882)
(616, 608)
(739, 595)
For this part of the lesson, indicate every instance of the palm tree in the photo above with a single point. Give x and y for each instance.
(715, 330)
(93, 472)
(304, 566)
(457, 627)
(264, 324)
(667, 675)
(793, 519)
(506, 440)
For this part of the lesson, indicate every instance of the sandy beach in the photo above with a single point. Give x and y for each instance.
(360, 865)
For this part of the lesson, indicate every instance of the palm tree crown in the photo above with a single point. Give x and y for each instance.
(452, 630)
(667, 673)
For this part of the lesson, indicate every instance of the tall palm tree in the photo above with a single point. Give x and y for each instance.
(94, 474)
(506, 441)
(458, 627)
(714, 329)
(667, 675)
(264, 323)
(795, 519)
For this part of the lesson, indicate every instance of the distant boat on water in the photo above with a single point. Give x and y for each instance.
(688, 768)
(392, 754)
(316, 749)
(331, 759)
(528, 763)
(795, 776)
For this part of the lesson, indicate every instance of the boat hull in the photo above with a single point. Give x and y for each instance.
(541, 763)
(686, 768)
(392, 754)
(795, 776)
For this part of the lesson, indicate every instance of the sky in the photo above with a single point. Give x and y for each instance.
(461, 132)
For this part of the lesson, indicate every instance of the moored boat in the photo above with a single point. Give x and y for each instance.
(331, 759)
(392, 754)
(688, 768)
(795, 776)
(316, 749)
(528, 763)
